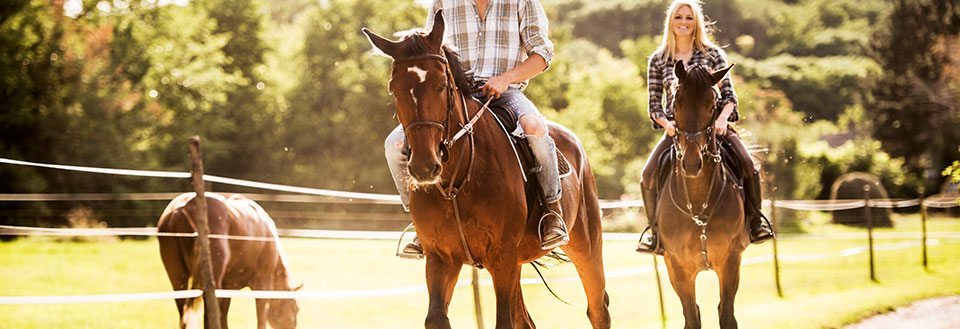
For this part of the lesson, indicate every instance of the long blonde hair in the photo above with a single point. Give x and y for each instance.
(701, 33)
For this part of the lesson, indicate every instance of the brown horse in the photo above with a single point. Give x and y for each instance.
(257, 263)
(483, 220)
(701, 209)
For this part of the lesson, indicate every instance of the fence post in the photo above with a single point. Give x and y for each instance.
(476, 298)
(868, 213)
(663, 311)
(923, 226)
(776, 251)
(212, 310)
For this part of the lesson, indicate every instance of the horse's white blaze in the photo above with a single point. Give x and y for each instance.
(421, 73)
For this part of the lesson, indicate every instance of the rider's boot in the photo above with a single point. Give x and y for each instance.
(553, 230)
(650, 243)
(759, 226)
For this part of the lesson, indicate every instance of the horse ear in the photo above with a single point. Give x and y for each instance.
(436, 32)
(679, 70)
(380, 43)
(717, 76)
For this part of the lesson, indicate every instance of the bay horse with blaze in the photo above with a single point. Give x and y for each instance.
(701, 208)
(256, 262)
(470, 207)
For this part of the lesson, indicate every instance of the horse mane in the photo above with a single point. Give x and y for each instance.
(412, 44)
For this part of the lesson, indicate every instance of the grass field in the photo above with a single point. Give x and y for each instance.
(823, 288)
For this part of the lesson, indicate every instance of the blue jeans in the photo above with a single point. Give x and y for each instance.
(544, 149)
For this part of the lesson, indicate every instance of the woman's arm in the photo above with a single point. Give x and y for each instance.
(728, 96)
(655, 92)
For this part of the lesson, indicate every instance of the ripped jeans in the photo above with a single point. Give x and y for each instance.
(544, 149)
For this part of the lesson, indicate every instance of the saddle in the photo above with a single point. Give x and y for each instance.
(509, 122)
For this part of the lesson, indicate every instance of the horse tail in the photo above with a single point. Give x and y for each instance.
(545, 284)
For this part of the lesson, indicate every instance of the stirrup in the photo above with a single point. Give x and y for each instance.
(760, 238)
(657, 247)
(557, 241)
(402, 252)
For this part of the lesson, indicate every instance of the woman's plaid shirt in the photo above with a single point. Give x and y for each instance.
(661, 80)
(511, 31)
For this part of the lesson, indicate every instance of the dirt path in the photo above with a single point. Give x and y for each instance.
(934, 313)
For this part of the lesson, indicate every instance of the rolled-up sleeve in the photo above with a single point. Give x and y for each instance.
(655, 90)
(534, 29)
(727, 93)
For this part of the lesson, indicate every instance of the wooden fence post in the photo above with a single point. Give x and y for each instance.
(868, 213)
(476, 298)
(776, 251)
(663, 311)
(923, 225)
(211, 307)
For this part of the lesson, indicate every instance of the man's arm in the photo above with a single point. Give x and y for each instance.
(529, 68)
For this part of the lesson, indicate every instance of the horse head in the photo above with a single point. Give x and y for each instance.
(423, 86)
(695, 109)
(282, 313)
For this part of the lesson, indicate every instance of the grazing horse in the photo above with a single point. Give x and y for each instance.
(701, 210)
(257, 262)
(470, 207)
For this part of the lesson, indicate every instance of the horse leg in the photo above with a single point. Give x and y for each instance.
(224, 308)
(506, 283)
(442, 274)
(261, 313)
(683, 280)
(522, 317)
(729, 275)
(176, 268)
(586, 254)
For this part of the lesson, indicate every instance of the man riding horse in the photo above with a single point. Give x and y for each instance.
(503, 44)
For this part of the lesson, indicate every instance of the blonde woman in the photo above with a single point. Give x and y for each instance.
(685, 38)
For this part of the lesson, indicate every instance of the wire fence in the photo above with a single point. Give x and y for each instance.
(313, 195)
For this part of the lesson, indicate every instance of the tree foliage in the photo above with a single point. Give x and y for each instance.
(915, 96)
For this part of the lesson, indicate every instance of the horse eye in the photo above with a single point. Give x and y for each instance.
(443, 86)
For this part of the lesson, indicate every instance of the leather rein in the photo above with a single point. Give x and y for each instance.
(451, 191)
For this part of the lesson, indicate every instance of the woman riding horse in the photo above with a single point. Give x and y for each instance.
(685, 38)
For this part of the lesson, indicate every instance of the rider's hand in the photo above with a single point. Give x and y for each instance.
(670, 128)
(495, 87)
(720, 127)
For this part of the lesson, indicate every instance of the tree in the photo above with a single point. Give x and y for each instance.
(914, 102)
(340, 109)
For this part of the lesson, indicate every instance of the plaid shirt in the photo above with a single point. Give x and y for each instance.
(511, 31)
(661, 80)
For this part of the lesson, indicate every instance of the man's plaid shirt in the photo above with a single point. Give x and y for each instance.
(661, 80)
(511, 31)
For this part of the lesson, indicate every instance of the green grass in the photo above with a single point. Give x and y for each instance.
(823, 293)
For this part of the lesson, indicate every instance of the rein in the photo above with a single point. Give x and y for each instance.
(451, 191)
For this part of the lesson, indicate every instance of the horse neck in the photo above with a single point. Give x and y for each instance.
(484, 142)
(696, 190)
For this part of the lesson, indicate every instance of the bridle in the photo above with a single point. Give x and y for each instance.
(452, 91)
(710, 150)
(701, 218)
(451, 191)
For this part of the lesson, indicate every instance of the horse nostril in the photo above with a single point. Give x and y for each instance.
(436, 169)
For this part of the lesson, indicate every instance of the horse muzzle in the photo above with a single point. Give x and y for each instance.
(425, 173)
